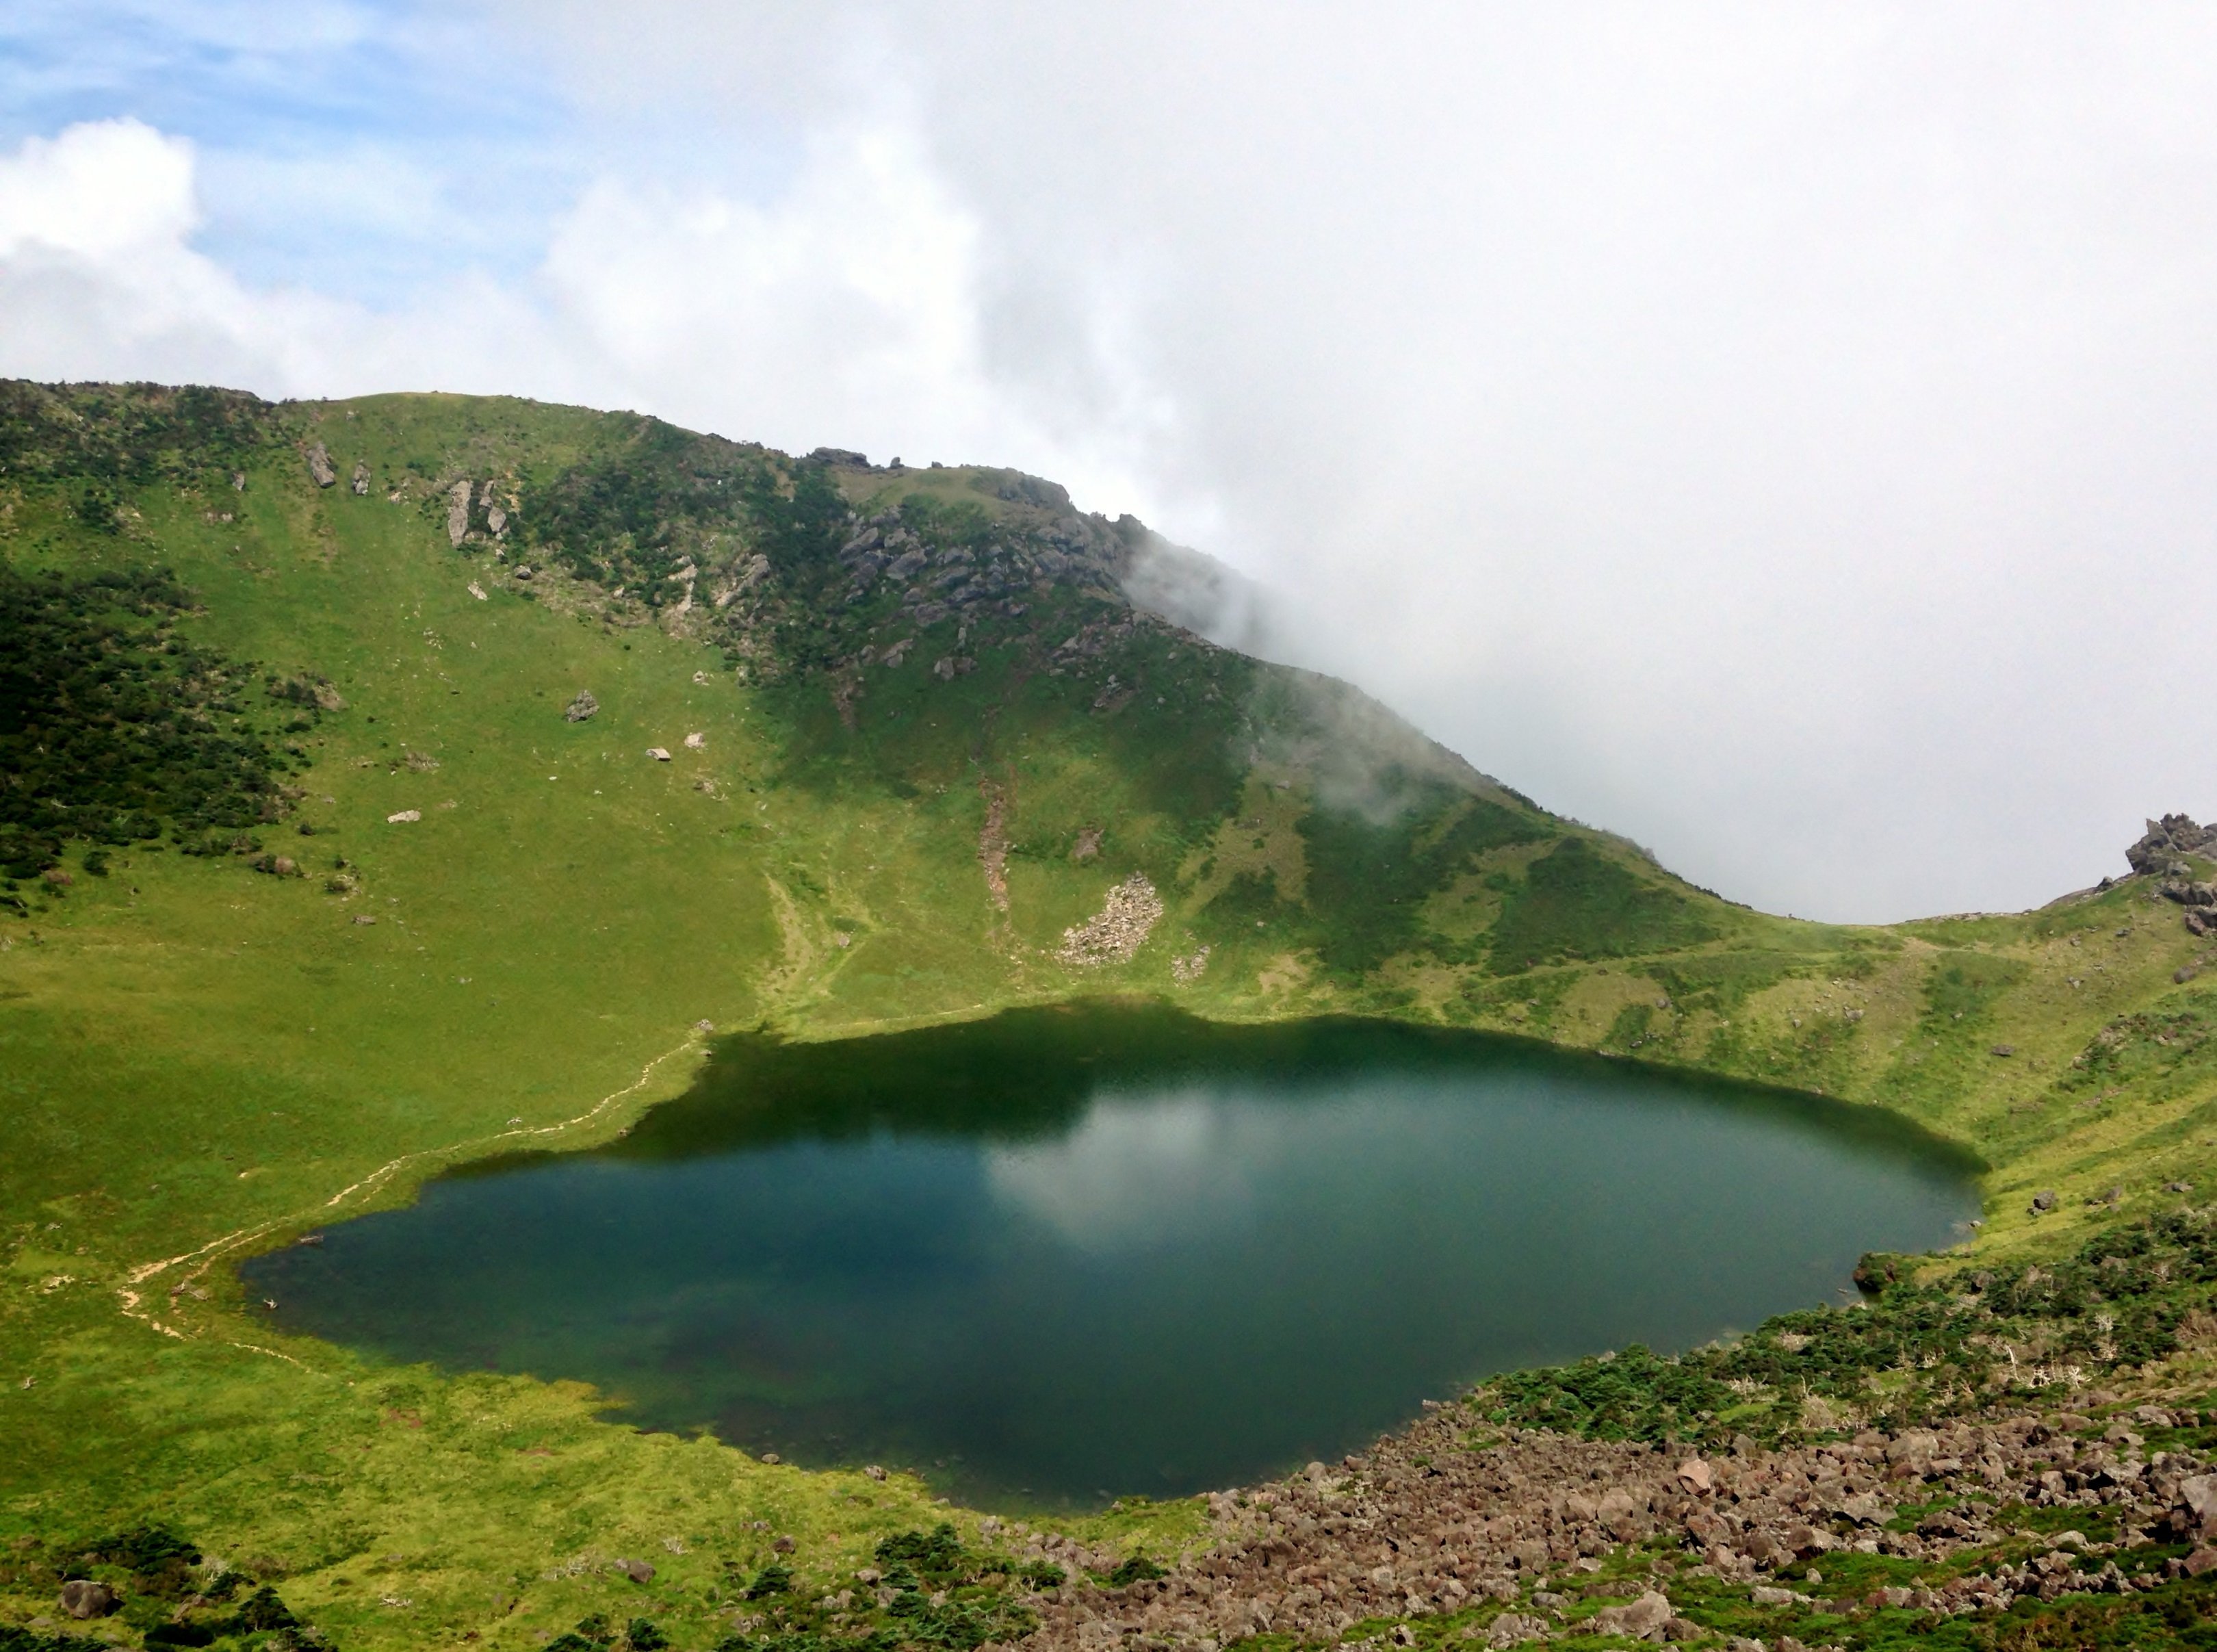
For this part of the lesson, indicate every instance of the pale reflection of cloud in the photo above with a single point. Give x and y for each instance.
(1141, 1171)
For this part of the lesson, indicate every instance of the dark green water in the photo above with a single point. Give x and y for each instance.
(1065, 1255)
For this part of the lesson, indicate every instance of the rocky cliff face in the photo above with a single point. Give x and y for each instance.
(2178, 851)
(2163, 849)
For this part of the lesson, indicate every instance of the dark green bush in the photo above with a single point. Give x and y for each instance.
(263, 1609)
(776, 1578)
(112, 728)
(937, 1553)
(1135, 1569)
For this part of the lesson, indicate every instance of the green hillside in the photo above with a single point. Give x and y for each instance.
(389, 783)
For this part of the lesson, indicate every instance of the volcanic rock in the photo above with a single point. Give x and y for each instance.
(1643, 1619)
(2166, 841)
(83, 1598)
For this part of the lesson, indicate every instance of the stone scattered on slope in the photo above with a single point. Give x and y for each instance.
(360, 483)
(1643, 1619)
(1515, 1629)
(1428, 1522)
(660, 754)
(458, 512)
(581, 708)
(1118, 931)
(319, 465)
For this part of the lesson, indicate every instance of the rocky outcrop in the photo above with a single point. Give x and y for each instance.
(581, 708)
(360, 483)
(319, 465)
(1118, 931)
(458, 512)
(2162, 848)
(2163, 852)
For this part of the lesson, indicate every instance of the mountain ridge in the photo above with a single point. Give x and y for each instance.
(354, 898)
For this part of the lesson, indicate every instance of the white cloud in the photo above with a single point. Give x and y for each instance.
(1775, 431)
(106, 190)
(844, 311)
(1762, 428)
(97, 276)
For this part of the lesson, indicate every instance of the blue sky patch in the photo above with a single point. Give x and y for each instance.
(363, 148)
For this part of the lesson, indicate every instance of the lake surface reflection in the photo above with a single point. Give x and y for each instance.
(1065, 1255)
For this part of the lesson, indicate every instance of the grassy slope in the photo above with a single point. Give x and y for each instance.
(195, 1057)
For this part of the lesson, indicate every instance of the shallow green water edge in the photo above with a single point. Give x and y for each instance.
(762, 1087)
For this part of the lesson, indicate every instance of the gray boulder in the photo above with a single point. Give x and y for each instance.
(581, 708)
(458, 511)
(83, 1598)
(1644, 1619)
(1515, 1629)
(2198, 1497)
(361, 478)
(319, 465)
